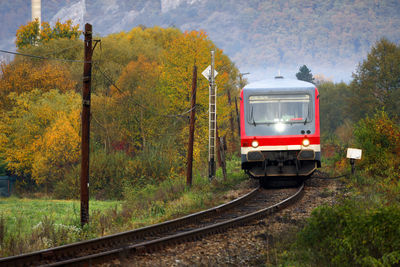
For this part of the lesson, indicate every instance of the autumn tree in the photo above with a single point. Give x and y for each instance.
(305, 74)
(25, 75)
(135, 102)
(33, 33)
(180, 55)
(28, 34)
(40, 135)
(376, 82)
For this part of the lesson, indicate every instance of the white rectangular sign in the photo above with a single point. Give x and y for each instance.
(354, 153)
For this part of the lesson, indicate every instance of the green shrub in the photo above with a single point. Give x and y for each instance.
(108, 172)
(379, 138)
(2, 167)
(351, 234)
(150, 197)
(69, 187)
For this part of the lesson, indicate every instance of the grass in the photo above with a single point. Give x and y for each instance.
(33, 224)
(171, 198)
(23, 214)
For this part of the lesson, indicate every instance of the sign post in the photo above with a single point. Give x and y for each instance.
(353, 154)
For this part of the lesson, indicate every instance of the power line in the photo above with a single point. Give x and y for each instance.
(102, 73)
(138, 104)
(62, 50)
(45, 58)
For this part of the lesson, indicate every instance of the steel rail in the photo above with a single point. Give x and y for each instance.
(62, 253)
(192, 235)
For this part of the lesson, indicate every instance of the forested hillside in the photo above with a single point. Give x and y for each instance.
(331, 37)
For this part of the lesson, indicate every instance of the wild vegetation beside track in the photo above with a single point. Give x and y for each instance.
(141, 83)
(29, 225)
(362, 227)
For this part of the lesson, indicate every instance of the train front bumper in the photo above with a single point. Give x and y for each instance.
(294, 160)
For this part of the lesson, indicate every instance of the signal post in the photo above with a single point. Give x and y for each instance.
(210, 73)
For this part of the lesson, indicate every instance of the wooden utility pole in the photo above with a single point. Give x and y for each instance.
(237, 116)
(87, 73)
(222, 143)
(217, 143)
(191, 129)
(231, 121)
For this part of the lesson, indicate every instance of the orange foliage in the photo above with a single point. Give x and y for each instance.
(24, 76)
(139, 75)
(65, 30)
(139, 81)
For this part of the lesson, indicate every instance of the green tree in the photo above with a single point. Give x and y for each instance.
(332, 105)
(305, 74)
(376, 82)
(28, 34)
(33, 33)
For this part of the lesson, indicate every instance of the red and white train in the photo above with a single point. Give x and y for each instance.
(280, 130)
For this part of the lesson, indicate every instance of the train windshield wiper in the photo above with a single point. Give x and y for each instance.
(252, 117)
(305, 121)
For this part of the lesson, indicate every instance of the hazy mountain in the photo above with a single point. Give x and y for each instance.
(261, 37)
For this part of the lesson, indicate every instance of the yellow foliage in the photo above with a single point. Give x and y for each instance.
(58, 148)
(33, 34)
(40, 135)
(180, 55)
(28, 34)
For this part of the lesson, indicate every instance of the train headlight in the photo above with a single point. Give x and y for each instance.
(280, 127)
(306, 142)
(254, 143)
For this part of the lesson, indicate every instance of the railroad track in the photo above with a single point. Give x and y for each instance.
(256, 204)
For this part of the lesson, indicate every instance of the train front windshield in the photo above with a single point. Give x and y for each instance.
(266, 109)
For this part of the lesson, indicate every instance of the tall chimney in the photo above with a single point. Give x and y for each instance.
(36, 11)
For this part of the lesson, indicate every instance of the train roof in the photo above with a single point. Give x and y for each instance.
(280, 83)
